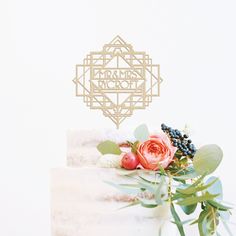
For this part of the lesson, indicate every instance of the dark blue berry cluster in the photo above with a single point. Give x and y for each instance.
(179, 140)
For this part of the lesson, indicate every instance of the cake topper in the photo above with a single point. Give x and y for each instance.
(117, 80)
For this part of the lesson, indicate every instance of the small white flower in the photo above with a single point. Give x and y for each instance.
(109, 161)
(187, 129)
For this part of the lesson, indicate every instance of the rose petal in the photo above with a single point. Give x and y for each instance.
(157, 150)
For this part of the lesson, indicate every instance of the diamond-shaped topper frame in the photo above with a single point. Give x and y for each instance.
(117, 80)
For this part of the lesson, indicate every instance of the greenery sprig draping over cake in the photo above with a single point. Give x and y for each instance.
(186, 182)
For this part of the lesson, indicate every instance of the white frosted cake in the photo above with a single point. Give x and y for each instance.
(84, 205)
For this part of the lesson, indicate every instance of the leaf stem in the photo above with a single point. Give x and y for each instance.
(184, 168)
(169, 187)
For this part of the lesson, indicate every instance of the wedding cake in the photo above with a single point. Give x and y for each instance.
(83, 204)
(146, 183)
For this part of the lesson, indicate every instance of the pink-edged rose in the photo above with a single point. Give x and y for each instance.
(157, 150)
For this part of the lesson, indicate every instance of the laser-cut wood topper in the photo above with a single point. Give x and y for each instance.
(117, 80)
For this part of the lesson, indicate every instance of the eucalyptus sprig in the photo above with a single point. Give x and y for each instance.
(184, 183)
(194, 192)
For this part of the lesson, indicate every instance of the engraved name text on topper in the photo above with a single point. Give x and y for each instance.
(117, 80)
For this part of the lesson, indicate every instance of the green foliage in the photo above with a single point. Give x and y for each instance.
(108, 147)
(148, 181)
(218, 205)
(207, 159)
(141, 133)
(128, 189)
(215, 188)
(182, 184)
(177, 220)
(134, 147)
(189, 209)
(158, 185)
(186, 174)
(137, 202)
(208, 221)
(148, 203)
(195, 188)
(201, 223)
(159, 191)
(196, 199)
(161, 169)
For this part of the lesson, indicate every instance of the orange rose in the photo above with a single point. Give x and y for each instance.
(158, 150)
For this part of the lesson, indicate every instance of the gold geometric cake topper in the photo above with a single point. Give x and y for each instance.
(117, 80)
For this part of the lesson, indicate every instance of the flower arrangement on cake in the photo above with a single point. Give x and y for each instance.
(168, 168)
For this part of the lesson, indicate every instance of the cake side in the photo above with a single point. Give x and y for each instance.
(82, 145)
(84, 205)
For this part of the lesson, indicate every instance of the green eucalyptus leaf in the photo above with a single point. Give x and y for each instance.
(108, 147)
(199, 180)
(125, 188)
(130, 185)
(184, 222)
(148, 203)
(202, 223)
(134, 147)
(190, 175)
(130, 205)
(177, 196)
(218, 205)
(162, 170)
(212, 221)
(194, 189)
(148, 181)
(150, 187)
(189, 209)
(159, 191)
(207, 159)
(194, 222)
(216, 188)
(208, 221)
(141, 133)
(196, 199)
(177, 220)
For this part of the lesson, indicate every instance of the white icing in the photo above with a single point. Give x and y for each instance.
(82, 145)
(83, 205)
(80, 208)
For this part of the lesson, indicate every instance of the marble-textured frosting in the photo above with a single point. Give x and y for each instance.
(83, 205)
(82, 145)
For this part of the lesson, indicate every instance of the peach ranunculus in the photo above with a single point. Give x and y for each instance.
(157, 150)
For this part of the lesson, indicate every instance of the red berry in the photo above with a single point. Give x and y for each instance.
(130, 161)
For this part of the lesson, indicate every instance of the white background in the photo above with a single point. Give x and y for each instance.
(41, 41)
